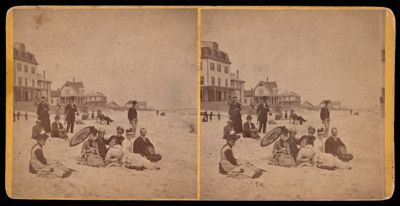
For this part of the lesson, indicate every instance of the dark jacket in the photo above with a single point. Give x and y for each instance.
(101, 144)
(324, 113)
(43, 110)
(132, 114)
(70, 110)
(234, 110)
(55, 129)
(262, 111)
(140, 146)
(309, 139)
(118, 140)
(247, 129)
(332, 145)
(227, 131)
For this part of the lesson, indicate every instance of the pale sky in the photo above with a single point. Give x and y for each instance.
(318, 54)
(147, 55)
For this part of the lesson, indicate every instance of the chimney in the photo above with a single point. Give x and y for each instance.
(267, 79)
(73, 79)
(44, 74)
(237, 74)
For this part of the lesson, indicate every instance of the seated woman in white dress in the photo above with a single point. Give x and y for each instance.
(114, 154)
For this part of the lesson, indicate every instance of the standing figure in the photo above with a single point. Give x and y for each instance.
(262, 112)
(26, 115)
(219, 116)
(132, 117)
(205, 116)
(43, 114)
(325, 116)
(70, 110)
(157, 112)
(286, 116)
(235, 115)
(211, 115)
(92, 117)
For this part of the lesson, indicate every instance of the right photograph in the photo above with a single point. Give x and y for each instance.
(293, 104)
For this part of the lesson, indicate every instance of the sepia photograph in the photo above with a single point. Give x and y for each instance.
(104, 103)
(293, 104)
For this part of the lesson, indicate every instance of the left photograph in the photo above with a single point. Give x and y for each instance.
(104, 103)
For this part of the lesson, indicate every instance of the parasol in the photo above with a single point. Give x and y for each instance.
(271, 136)
(81, 136)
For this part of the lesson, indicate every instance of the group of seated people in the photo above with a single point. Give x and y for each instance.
(57, 129)
(117, 150)
(308, 150)
(249, 129)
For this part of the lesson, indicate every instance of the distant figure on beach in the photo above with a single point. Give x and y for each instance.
(18, 114)
(37, 129)
(296, 118)
(286, 116)
(101, 117)
(26, 116)
(235, 115)
(351, 112)
(336, 147)
(163, 114)
(204, 119)
(119, 138)
(249, 129)
(262, 112)
(206, 116)
(92, 116)
(144, 147)
(70, 110)
(57, 129)
(219, 116)
(14, 116)
(211, 115)
(43, 114)
(325, 116)
(132, 117)
(157, 112)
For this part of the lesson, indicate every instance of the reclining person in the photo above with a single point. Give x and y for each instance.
(57, 129)
(41, 165)
(249, 129)
(144, 147)
(90, 152)
(101, 116)
(336, 147)
(294, 117)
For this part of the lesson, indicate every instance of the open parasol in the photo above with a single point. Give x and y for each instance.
(271, 136)
(81, 136)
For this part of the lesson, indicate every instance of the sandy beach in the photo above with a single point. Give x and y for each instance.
(170, 134)
(363, 136)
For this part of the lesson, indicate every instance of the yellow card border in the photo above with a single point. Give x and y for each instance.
(389, 84)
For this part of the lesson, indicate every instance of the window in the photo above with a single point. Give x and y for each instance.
(26, 68)
(212, 81)
(201, 80)
(33, 83)
(19, 66)
(219, 81)
(33, 70)
(232, 84)
(212, 66)
(226, 82)
(218, 68)
(26, 81)
(226, 69)
(20, 81)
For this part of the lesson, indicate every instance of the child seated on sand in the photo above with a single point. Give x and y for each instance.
(229, 165)
(43, 167)
(114, 154)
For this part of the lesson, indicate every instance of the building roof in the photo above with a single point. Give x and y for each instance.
(75, 85)
(95, 94)
(269, 85)
(248, 93)
(210, 50)
(21, 54)
(289, 94)
(55, 93)
(307, 103)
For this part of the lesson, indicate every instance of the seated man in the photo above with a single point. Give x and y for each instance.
(57, 129)
(281, 152)
(232, 166)
(294, 117)
(336, 147)
(249, 129)
(227, 129)
(42, 166)
(310, 138)
(37, 129)
(144, 147)
(119, 138)
(90, 152)
(135, 160)
(114, 154)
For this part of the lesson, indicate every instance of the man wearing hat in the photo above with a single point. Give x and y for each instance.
(144, 147)
(235, 115)
(310, 138)
(70, 110)
(43, 114)
(37, 129)
(132, 117)
(57, 129)
(227, 129)
(118, 138)
(262, 112)
(101, 143)
(249, 129)
(325, 116)
(334, 145)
